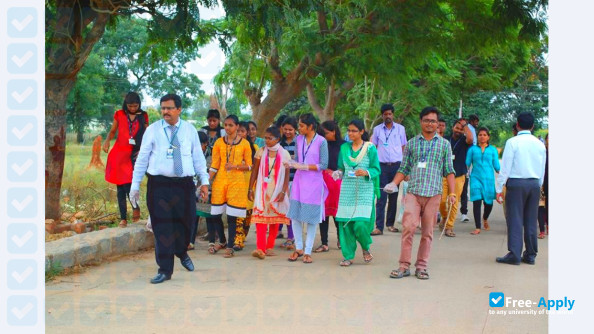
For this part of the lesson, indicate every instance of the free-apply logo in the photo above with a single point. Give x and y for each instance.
(496, 299)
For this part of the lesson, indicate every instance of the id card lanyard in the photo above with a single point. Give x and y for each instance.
(388, 135)
(131, 141)
(171, 147)
(267, 178)
(308, 146)
(351, 173)
(455, 145)
(424, 153)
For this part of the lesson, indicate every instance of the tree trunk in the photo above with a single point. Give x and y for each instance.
(278, 96)
(56, 93)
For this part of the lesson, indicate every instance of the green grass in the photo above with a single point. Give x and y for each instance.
(86, 190)
(54, 270)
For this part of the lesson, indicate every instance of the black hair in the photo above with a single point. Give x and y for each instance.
(246, 126)
(387, 106)
(254, 124)
(482, 128)
(176, 99)
(361, 126)
(233, 118)
(203, 137)
(460, 120)
(473, 118)
(292, 121)
(274, 131)
(330, 126)
(525, 120)
(131, 98)
(213, 113)
(309, 119)
(429, 110)
(441, 120)
(279, 121)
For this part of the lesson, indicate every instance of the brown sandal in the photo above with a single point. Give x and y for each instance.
(367, 257)
(259, 254)
(449, 233)
(135, 215)
(486, 224)
(307, 259)
(295, 255)
(476, 231)
(229, 253)
(270, 252)
(123, 223)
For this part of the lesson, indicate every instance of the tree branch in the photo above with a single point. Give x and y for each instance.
(322, 22)
(311, 98)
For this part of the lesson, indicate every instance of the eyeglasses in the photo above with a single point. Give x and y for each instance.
(429, 121)
(168, 108)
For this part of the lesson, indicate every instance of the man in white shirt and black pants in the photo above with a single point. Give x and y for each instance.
(522, 171)
(171, 155)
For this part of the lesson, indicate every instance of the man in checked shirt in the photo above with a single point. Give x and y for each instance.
(427, 159)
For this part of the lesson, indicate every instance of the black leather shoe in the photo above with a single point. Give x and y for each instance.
(525, 260)
(506, 261)
(187, 263)
(160, 278)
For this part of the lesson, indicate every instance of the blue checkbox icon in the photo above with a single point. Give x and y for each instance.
(22, 94)
(22, 22)
(22, 166)
(21, 203)
(21, 274)
(22, 310)
(496, 299)
(21, 238)
(21, 130)
(22, 58)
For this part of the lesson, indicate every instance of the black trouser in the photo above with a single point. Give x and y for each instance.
(123, 197)
(324, 225)
(194, 230)
(521, 205)
(476, 210)
(214, 226)
(542, 218)
(387, 175)
(464, 198)
(171, 202)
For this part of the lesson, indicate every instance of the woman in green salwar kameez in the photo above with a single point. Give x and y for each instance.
(360, 169)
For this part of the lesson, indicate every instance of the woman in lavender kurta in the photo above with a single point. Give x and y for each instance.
(308, 191)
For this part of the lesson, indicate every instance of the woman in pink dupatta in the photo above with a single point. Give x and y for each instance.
(271, 201)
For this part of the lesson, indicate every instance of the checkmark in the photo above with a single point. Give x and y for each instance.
(21, 313)
(21, 25)
(21, 61)
(21, 97)
(21, 241)
(496, 300)
(22, 168)
(22, 276)
(20, 134)
(20, 206)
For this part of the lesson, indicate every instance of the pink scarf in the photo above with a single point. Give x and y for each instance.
(279, 178)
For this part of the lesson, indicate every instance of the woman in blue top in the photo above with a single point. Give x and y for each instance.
(484, 159)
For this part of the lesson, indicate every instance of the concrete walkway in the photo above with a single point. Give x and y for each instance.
(246, 295)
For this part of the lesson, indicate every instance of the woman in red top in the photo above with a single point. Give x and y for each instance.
(129, 123)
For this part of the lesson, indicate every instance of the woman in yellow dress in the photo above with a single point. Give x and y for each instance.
(231, 159)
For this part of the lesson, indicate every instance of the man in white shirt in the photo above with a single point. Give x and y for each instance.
(522, 172)
(170, 155)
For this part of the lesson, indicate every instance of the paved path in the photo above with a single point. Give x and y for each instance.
(246, 295)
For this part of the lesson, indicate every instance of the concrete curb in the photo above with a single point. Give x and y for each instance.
(89, 247)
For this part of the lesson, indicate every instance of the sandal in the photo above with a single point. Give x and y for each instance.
(290, 244)
(191, 246)
(259, 254)
(486, 224)
(123, 223)
(270, 252)
(422, 274)
(367, 257)
(476, 231)
(135, 215)
(376, 232)
(541, 235)
(399, 273)
(338, 244)
(229, 253)
(449, 233)
(295, 255)
(345, 263)
(393, 229)
(307, 259)
(212, 249)
(322, 248)
(237, 248)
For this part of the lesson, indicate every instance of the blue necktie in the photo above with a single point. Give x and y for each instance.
(177, 162)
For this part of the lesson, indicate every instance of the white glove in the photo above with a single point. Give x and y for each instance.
(149, 225)
(336, 175)
(391, 188)
(134, 197)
